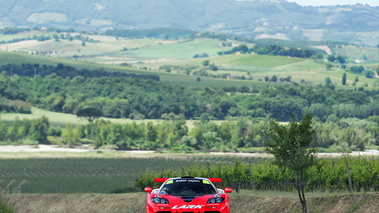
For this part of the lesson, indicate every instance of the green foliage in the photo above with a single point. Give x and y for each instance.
(277, 50)
(341, 59)
(369, 74)
(357, 69)
(290, 144)
(90, 113)
(119, 96)
(356, 79)
(213, 67)
(331, 58)
(241, 49)
(204, 55)
(68, 136)
(344, 79)
(24, 131)
(206, 62)
(329, 66)
(328, 81)
(4, 208)
(262, 174)
(167, 33)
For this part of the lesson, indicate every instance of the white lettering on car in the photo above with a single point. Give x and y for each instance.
(188, 207)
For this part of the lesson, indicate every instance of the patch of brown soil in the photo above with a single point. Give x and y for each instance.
(360, 203)
(83, 203)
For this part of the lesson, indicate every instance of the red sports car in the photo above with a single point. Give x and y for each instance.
(187, 195)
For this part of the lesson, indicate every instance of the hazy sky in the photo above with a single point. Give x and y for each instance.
(335, 2)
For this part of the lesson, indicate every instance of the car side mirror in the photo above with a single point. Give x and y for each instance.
(148, 189)
(228, 190)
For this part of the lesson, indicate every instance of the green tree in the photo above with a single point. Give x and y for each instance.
(341, 59)
(357, 69)
(168, 69)
(331, 58)
(38, 129)
(290, 146)
(377, 70)
(68, 135)
(206, 63)
(369, 74)
(204, 118)
(344, 79)
(329, 66)
(328, 81)
(213, 67)
(151, 132)
(90, 113)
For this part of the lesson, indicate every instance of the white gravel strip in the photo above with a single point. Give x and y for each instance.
(366, 152)
(40, 148)
(55, 148)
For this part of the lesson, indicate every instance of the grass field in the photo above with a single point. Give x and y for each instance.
(174, 51)
(171, 78)
(62, 119)
(368, 54)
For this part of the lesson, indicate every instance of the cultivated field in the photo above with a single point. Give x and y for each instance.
(150, 54)
(364, 54)
(246, 202)
(101, 171)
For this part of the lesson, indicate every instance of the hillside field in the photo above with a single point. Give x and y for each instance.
(147, 56)
(62, 119)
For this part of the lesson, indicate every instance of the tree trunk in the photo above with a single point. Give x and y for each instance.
(300, 191)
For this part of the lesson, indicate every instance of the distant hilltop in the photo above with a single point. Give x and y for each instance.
(276, 19)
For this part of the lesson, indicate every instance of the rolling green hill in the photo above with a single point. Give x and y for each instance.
(185, 80)
(148, 55)
(255, 18)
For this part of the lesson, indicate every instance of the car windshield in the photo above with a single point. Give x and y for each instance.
(188, 187)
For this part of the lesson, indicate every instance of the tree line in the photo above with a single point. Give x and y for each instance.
(166, 33)
(31, 70)
(118, 95)
(274, 50)
(239, 134)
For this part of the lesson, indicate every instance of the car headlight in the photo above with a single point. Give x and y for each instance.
(216, 200)
(159, 200)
